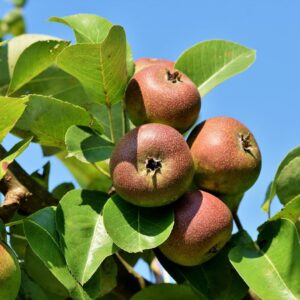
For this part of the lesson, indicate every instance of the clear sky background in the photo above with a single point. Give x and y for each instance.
(265, 98)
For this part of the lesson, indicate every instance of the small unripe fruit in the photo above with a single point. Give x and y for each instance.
(203, 225)
(226, 156)
(10, 274)
(145, 62)
(157, 94)
(151, 166)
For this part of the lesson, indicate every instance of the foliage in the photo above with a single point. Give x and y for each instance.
(83, 245)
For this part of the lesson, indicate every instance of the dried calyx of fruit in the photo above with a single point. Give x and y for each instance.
(203, 225)
(226, 156)
(152, 165)
(157, 94)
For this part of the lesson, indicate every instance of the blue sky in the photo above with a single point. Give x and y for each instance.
(265, 98)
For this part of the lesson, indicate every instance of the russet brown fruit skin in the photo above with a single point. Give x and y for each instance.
(226, 156)
(160, 95)
(145, 62)
(10, 274)
(151, 166)
(203, 225)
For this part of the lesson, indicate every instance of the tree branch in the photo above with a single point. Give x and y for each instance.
(155, 267)
(129, 281)
(22, 193)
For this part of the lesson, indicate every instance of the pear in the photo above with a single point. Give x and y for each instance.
(163, 95)
(203, 225)
(145, 62)
(151, 166)
(10, 273)
(226, 156)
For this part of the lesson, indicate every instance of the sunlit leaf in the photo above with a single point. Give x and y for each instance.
(11, 109)
(271, 267)
(134, 228)
(210, 63)
(101, 68)
(33, 60)
(84, 240)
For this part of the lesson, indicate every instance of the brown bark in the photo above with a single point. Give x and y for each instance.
(22, 193)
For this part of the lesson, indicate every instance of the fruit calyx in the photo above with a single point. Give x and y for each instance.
(174, 77)
(153, 165)
(246, 143)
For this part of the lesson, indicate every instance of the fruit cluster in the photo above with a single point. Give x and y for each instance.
(153, 165)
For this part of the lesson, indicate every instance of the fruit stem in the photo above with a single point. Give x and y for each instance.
(21, 237)
(237, 221)
(19, 222)
(112, 135)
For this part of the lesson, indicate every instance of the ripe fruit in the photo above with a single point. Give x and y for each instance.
(226, 156)
(203, 225)
(10, 274)
(151, 165)
(160, 95)
(143, 63)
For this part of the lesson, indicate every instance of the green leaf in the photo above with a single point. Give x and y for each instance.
(211, 62)
(119, 124)
(166, 292)
(29, 289)
(286, 182)
(205, 280)
(37, 270)
(48, 120)
(87, 175)
(87, 145)
(9, 54)
(93, 29)
(33, 60)
(88, 28)
(134, 228)
(101, 68)
(60, 190)
(17, 45)
(84, 239)
(17, 237)
(42, 178)
(270, 194)
(12, 154)
(57, 84)
(4, 74)
(40, 231)
(104, 279)
(271, 270)
(291, 211)
(11, 109)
